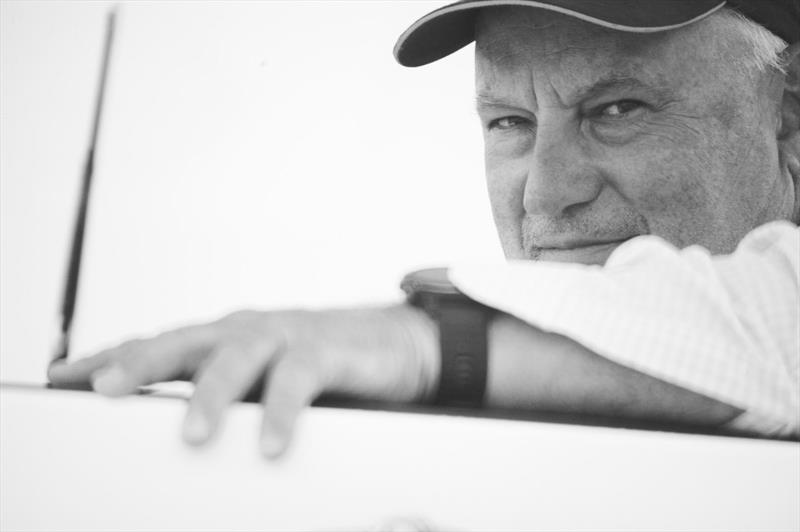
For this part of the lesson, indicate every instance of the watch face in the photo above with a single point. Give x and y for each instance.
(432, 280)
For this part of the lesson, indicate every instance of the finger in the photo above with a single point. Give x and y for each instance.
(79, 371)
(169, 356)
(122, 369)
(231, 371)
(292, 386)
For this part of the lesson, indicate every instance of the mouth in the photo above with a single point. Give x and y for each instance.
(577, 251)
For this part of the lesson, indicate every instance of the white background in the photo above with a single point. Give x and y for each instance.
(253, 154)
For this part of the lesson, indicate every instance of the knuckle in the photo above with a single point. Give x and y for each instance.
(133, 362)
(298, 374)
(136, 358)
(217, 379)
(129, 346)
(230, 367)
(172, 336)
(124, 354)
(183, 337)
(298, 331)
(241, 316)
(242, 352)
(256, 332)
(245, 327)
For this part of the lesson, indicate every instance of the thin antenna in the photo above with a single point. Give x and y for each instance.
(74, 267)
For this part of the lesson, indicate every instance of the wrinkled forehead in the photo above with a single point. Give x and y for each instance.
(535, 42)
(509, 36)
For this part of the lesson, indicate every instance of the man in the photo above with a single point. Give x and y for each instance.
(659, 139)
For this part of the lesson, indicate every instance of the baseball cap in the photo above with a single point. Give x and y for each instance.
(450, 28)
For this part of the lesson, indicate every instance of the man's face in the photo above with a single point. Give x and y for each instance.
(594, 136)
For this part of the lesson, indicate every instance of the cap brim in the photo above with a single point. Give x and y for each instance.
(450, 28)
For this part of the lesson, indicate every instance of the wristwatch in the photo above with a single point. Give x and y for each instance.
(463, 340)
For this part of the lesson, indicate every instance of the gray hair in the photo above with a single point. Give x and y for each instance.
(766, 47)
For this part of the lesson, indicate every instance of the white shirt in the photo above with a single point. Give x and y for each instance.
(727, 327)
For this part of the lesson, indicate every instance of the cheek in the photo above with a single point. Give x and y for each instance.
(711, 192)
(666, 186)
(505, 181)
(667, 189)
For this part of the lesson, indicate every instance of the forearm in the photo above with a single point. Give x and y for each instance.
(535, 370)
(532, 369)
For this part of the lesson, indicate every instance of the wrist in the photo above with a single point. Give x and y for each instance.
(462, 325)
(419, 338)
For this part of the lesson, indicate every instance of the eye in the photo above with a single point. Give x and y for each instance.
(508, 122)
(620, 109)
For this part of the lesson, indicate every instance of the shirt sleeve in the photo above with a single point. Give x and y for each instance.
(723, 326)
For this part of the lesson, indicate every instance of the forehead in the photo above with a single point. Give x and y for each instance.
(532, 43)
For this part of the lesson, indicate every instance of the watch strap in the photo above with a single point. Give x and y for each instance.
(464, 352)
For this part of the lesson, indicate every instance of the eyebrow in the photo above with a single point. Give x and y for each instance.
(612, 83)
(486, 99)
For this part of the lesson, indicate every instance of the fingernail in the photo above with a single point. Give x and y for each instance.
(272, 446)
(195, 429)
(110, 381)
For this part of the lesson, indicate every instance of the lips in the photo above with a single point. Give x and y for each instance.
(565, 244)
(583, 237)
(578, 250)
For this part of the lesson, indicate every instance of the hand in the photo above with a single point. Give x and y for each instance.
(291, 357)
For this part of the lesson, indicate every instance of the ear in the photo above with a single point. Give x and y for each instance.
(789, 125)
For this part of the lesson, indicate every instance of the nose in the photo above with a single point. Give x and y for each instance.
(560, 174)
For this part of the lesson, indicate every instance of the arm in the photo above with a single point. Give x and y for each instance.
(724, 328)
(391, 354)
(532, 369)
